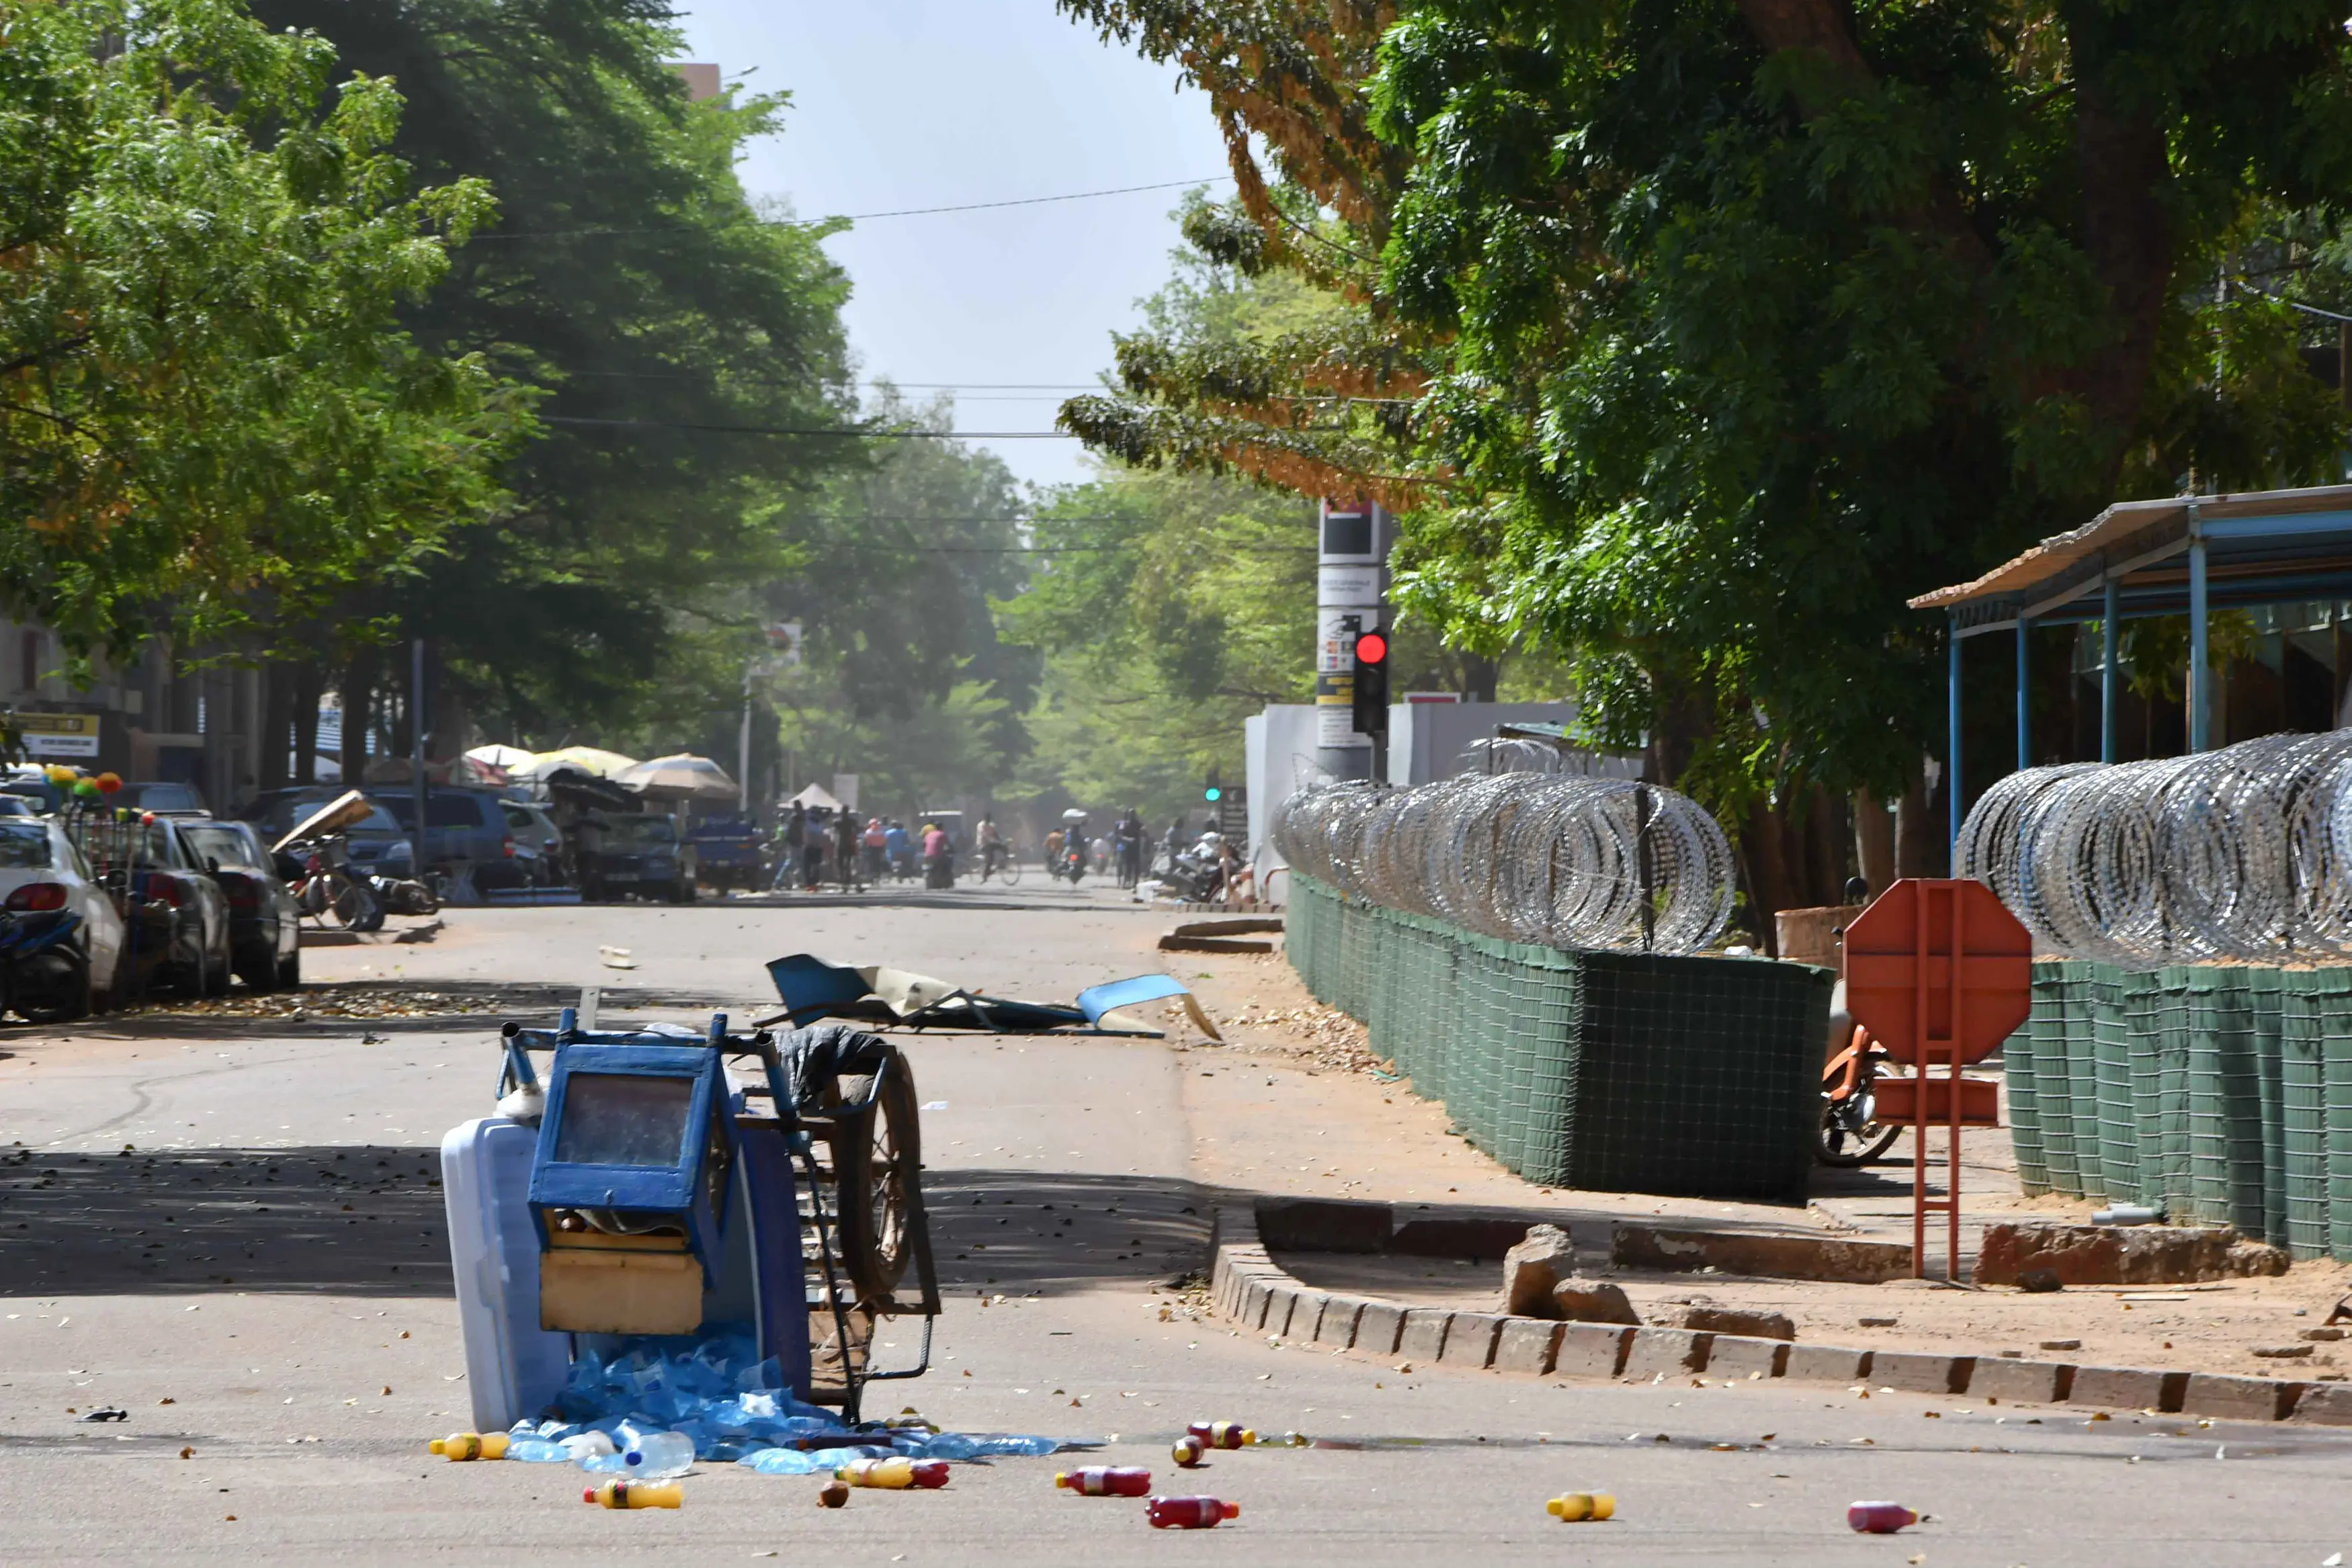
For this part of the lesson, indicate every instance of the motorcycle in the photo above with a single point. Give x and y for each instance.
(43, 974)
(1851, 1133)
(405, 895)
(327, 890)
(1197, 875)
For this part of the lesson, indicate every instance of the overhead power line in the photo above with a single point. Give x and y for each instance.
(866, 218)
(848, 433)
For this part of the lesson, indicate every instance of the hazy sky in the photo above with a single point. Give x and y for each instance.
(922, 103)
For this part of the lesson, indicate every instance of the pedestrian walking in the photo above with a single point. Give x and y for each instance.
(789, 834)
(845, 851)
(873, 843)
(813, 852)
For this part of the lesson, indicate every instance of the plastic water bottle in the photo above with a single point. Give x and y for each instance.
(1577, 1506)
(895, 1474)
(1189, 1512)
(583, 1447)
(459, 1445)
(1106, 1480)
(537, 1451)
(1879, 1518)
(1223, 1434)
(659, 1456)
(1188, 1451)
(781, 1462)
(1002, 1444)
(635, 1494)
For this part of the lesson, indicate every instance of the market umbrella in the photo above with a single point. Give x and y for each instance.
(587, 759)
(680, 777)
(505, 758)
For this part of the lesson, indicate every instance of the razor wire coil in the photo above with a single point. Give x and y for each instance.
(1541, 857)
(2240, 853)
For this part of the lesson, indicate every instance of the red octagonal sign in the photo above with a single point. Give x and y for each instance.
(1935, 965)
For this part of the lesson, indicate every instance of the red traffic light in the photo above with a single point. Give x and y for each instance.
(1372, 648)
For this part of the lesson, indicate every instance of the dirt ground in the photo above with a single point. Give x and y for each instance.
(1294, 1105)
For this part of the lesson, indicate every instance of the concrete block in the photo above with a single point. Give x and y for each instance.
(1747, 1252)
(1257, 1291)
(1583, 1300)
(2128, 1389)
(1470, 1339)
(2021, 1381)
(1919, 1372)
(1378, 1327)
(2104, 1254)
(1736, 1356)
(1722, 1320)
(1477, 1238)
(2238, 1398)
(1321, 1225)
(1826, 1363)
(1423, 1340)
(1591, 1350)
(2325, 1405)
(1282, 1303)
(1677, 1353)
(1336, 1324)
(1528, 1345)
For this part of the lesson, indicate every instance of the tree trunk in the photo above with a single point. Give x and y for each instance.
(1765, 845)
(359, 714)
(309, 682)
(1684, 718)
(1827, 833)
(1916, 852)
(1478, 673)
(276, 718)
(1873, 842)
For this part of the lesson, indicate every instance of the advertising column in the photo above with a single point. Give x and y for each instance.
(1351, 597)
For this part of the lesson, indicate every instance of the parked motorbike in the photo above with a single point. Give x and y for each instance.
(1197, 875)
(43, 973)
(1850, 1132)
(327, 890)
(405, 895)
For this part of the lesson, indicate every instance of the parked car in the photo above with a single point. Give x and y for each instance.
(198, 961)
(461, 825)
(727, 852)
(620, 853)
(264, 922)
(42, 870)
(537, 843)
(378, 845)
(163, 797)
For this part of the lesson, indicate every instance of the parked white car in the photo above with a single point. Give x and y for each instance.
(41, 871)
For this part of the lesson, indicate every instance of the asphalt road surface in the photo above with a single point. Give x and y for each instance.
(261, 1282)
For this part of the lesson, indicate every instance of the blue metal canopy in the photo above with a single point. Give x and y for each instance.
(2186, 555)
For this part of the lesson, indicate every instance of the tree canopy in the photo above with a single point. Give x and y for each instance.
(210, 416)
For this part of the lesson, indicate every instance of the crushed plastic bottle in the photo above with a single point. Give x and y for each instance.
(589, 1445)
(459, 1445)
(895, 1474)
(659, 1456)
(1579, 1505)
(1223, 1434)
(1106, 1480)
(1188, 1451)
(1879, 1518)
(537, 1451)
(1189, 1512)
(635, 1494)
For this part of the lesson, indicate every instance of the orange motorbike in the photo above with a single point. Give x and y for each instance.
(1850, 1132)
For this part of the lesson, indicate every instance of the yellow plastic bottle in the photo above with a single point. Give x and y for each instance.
(471, 1445)
(894, 1474)
(1572, 1507)
(637, 1494)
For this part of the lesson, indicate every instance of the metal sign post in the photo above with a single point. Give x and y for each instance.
(1939, 971)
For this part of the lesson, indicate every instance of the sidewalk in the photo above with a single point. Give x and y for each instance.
(1290, 1106)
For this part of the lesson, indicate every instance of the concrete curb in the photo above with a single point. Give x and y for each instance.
(1257, 1295)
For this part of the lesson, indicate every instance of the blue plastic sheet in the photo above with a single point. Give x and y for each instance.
(735, 1409)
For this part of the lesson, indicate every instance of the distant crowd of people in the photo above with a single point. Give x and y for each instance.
(814, 845)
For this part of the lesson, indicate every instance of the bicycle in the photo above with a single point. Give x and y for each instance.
(997, 860)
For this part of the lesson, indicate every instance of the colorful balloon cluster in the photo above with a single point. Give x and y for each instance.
(82, 786)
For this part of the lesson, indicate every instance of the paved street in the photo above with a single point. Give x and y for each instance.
(261, 1279)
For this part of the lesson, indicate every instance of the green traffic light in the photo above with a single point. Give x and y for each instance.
(1211, 794)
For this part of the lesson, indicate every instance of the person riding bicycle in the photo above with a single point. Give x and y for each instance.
(992, 847)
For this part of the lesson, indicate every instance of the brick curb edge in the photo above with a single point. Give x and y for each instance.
(1249, 1289)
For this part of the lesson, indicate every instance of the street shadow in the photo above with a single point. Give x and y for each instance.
(1052, 1232)
(350, 1220)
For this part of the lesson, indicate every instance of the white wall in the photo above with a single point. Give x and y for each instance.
(1280, 749)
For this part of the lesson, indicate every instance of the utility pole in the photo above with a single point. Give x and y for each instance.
(1351, 581)
(418, 856)
(743, 746)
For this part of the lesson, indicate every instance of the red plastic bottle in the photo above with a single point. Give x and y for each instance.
(1106, 1480)
(1879, 1518)
(1223, 1434)
(1189, 1451)
(1189, 1512)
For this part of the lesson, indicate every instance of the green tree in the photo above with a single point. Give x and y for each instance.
(687, 344)
(209, 416)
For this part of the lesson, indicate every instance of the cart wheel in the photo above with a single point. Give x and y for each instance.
(876, 1160)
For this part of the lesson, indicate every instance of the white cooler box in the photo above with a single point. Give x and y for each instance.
(513, 1366)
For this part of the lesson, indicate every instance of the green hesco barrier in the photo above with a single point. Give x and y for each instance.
(1611, 1071)
(2220, 1090)
(2025, 1048)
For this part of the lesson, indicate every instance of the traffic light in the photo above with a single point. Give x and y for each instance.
(1213, 794)
(1371, 684)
